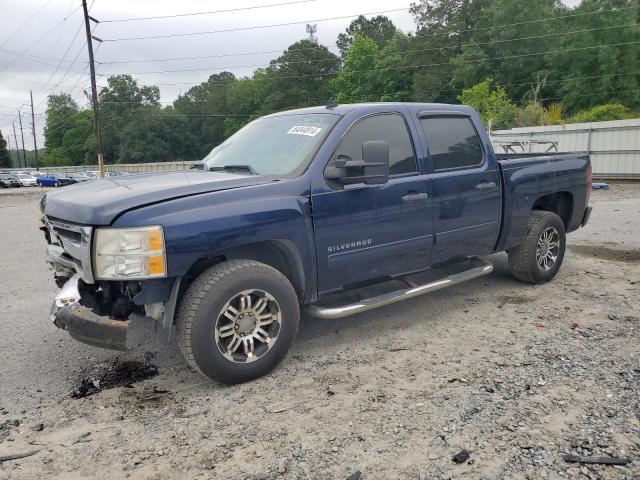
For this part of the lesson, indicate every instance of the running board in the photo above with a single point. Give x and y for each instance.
(480, 268)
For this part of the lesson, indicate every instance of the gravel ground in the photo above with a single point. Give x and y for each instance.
(517, 375)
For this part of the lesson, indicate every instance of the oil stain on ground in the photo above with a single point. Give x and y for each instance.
(605, 253)
(112, 374)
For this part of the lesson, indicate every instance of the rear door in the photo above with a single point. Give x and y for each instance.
(467, 193)
(375, 231)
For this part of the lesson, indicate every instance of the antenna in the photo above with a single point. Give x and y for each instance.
(311, 30)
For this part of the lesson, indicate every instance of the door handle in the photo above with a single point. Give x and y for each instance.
(486, 186)
(415, 197)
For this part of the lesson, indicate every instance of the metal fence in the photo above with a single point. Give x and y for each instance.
(123, 167)
(614, 146)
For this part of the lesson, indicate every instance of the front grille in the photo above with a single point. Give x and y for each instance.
(75, 240)
(75, 237)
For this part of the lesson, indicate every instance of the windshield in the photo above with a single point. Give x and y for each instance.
(278, 146)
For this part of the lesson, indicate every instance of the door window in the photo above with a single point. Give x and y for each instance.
(453, 143)
(390, 128)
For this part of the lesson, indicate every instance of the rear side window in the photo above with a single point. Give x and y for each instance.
(453, 143)
(390, 128)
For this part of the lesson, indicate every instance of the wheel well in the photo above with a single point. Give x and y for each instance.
(279, 254)
(560, 203)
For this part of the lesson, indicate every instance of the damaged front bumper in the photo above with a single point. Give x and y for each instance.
(85, 325)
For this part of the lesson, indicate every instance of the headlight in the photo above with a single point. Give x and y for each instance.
(129, 253)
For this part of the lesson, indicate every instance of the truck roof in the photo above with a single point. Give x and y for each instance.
(343, 109)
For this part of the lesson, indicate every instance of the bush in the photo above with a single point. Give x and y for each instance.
(531, 115)
(601, 113)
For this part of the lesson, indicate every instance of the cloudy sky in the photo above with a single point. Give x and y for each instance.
(42, 43)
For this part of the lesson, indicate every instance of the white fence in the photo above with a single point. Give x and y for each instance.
(614, 146)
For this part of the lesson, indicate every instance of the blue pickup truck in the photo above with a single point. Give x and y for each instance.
(291, 211)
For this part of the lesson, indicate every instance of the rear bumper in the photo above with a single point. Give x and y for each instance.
(586, 216)
(85, 325)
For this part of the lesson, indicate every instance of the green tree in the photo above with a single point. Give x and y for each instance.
(5, 158)
(491, 103)
(78, 146)
(492, 51)
(593, 76)
(299, 77)
(200, 115)
(61, 112)
(379, 29)
(122, 101)
(443, 27)
(359, 81)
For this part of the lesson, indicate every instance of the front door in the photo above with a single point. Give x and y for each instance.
(372, 232)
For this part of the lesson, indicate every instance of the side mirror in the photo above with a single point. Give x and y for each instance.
(373, 169)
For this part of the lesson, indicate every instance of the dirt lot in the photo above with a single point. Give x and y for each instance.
(517, 375)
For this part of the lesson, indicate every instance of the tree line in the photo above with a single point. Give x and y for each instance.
(518, 62)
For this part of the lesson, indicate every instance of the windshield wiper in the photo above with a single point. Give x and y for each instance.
(234, 168)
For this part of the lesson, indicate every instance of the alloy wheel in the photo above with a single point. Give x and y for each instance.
(247, 327)
(547, 249)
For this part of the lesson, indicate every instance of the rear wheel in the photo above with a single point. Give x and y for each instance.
(539, 257)
(56, 184)
(237, 320)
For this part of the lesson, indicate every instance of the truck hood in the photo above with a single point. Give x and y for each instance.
(99, 202)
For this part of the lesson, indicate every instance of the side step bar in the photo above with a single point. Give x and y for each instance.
(480, 268)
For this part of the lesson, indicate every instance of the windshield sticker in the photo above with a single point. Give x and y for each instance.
(304, 130)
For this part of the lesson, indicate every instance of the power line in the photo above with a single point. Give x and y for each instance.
(452, 63)
(39, 39)
(66, 52)
(325, 60)
(27, 22)
(238, 29)
(527, 22)
(228, 10)
(258, 27)
(35, 58)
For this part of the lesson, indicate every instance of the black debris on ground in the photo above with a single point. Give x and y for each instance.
(462, 456)
(596, 460)
(112, 374)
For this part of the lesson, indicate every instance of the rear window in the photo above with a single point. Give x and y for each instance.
(453, 143)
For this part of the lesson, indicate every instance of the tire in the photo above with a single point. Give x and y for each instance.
(523, 260)
(56, 184)
(201, 314)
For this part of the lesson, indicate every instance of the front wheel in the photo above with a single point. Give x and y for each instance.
(539, 257)
(237, 321)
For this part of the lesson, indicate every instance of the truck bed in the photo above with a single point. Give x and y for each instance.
(528, 178)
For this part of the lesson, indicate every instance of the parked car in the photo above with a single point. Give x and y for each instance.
(25, 179)
(8, 180)
(91, 174)
(296, 207)
(54, 180)
(79, 177)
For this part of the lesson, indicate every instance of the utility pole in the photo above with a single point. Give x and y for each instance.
(15, 140)
(94, 90)
(24, 153)
(33, 128)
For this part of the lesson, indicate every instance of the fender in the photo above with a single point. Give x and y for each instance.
(202, 226)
